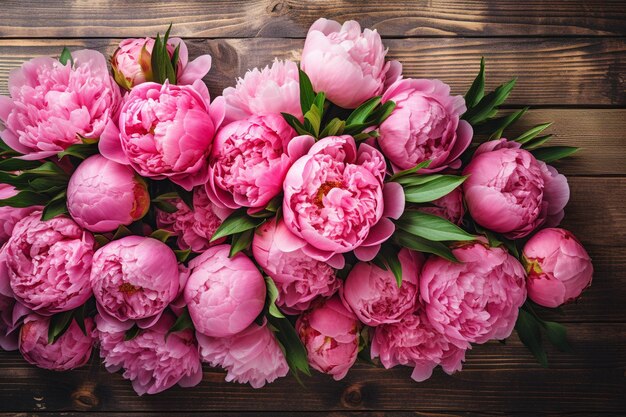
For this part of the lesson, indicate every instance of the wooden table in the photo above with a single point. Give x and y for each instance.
(570, 60)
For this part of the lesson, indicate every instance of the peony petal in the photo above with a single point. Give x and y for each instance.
(110, 146)
(393, 196)
(195, 70)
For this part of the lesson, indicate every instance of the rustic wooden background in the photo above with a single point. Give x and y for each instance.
(570, 60)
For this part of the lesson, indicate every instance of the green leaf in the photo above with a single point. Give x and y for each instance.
(364, 111)
(46, 169)
(410, 171)
(495, 127)
(166, 206)
(241, 241)
(56, 207)
(431, 227)
(488, 105)
(15, 164)
(66, 56)
(272, 295)
(419, 244)
(24, 199)
(162, 235)
(389, 256)
(122, 231)
(101, 240)
(186, 196)
(549, 154)
(529, 332)
(333, 128)
(239, 221)
(535, 143)
(530, 134)
(79, 318)
(183, 322)
(477, 89)
(557, 335)
(295, 123)
(59, 323)
(382, 113)
(314, 118)
(319, 101)
(132, 333)
(307, 95)
(294, 350)
(182, 255)
(365, 135)
(80, 151)
(434, 189)
(175, 58)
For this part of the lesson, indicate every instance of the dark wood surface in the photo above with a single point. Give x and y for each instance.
(570, 60)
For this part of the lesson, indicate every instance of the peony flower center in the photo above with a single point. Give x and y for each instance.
(128, 288)
(324, 190)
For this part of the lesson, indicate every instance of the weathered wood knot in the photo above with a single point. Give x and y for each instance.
(84, 398)
(352, 396)
(278, 8)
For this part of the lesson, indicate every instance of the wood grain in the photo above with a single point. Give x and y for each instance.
(551, 72)
(292, 18)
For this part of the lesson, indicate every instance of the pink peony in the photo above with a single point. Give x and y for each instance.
(509, 191)
(300, 279)
(132, 62)
(425, 125)
(274, 89)
(102, 195)
(11, 311)
(194, 227)
(449, 207)
(477, 299)
(70, 351)
(153, 361)
(558, 266)
(134, 278)
(373, 294)
(349, 66)
(49, 264)
(414, 342)
(224, 295)
(54, 106)
(251, 356)
(249, 161)
(330, 334)
(335, 203)
(11, 215)
(165, 131)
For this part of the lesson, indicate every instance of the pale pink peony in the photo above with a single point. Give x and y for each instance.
(194, 227)
(330, 334)
(345, 63)
(11, 215)
(224, 295)
(250, 159)
(272, 90)
(153, 360)
(510, 192)
(373, 294)
(11, 311)
(450, 207)
(425, 125)
(132, 62)
(558, 266)
(54, 106)
(165, 131)
(49, 264)
(70, 351)
(414, 342)
(334, 201)
(103, 195)
(134, 278)
(252, 356)
(477, 299)
(300, 279)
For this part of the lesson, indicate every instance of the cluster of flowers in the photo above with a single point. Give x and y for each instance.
(305, 216)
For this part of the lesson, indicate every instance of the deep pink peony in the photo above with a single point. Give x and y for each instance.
(54, 106)
(509, 191)
(49, 263)
(330, 334)
(300, 279)
(450, 207)
(272, 90)
(165, 131)
(224, 295)
(345, 63)
(335, 203)
(477, 299)
(11, 311)
(249, 161)
(132, 62)
(425, 125)
(373, 294)
(153, 360)
(70, 351)
(414, 342)
(558, 266)
(251, 356)
(134, 278)
(194, 227)
(102, 195)
(11, 215)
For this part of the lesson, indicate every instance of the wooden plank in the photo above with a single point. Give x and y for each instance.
(496, 378)
(292, 18)
(576, 72)
(311, 414)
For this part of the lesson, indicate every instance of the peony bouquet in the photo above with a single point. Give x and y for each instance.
(311, 215)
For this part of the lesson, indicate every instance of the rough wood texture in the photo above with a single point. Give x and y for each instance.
(292, 18)
(570, 59)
